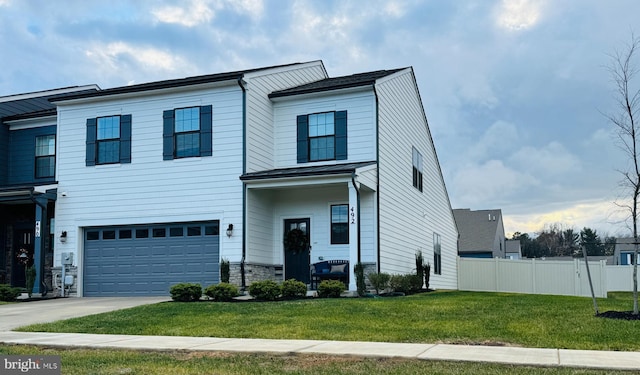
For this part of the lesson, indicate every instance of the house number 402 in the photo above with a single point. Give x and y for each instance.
(352, 213)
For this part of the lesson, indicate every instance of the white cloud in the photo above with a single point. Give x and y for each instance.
(496, 140)
(549, 161)
(193, 14)
(601, 215)
(113, 54)
(254, 8)
(484, 185)
(519, 14)
(5, 3)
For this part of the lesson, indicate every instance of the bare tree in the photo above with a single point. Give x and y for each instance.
(625, 120)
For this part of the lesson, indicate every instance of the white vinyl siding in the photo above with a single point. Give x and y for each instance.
(361, 130)
(407, 225)
(260, 126)
(150, 189)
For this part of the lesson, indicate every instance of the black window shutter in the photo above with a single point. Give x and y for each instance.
(92, 129)
(341, 135)
(303, 139)
(167, 134)
(125, 139)
(206, 146)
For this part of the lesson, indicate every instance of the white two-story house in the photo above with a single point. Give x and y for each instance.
(158, 182)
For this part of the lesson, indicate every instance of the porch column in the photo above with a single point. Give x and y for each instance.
(353, 234)
(40, 231)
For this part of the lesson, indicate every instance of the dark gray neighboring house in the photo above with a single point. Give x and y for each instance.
(481, 233)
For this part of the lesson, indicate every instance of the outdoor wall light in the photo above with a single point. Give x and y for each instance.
(63, 236)
(230, 230)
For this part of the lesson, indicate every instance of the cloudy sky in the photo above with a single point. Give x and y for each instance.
(514, 90)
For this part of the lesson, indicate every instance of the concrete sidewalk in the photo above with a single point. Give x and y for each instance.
(506, 355)
(21, 314)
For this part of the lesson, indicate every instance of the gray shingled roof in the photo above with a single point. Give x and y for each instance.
(180, 82)
(318, 170)
(355, 80)
(477, 232)
(34, 106)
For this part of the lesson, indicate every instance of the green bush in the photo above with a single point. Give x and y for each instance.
(293, 288)
(379, 281)
(31, 278)
(406, 284)
(7, 293)
(186, 292)
(427, 275)
(222, 292)
(224, 270)
(330, 289)
(266, 290)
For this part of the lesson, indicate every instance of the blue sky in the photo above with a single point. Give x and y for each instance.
(514, 90)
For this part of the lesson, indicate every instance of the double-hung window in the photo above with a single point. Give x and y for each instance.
(322, 136)
(108, 140)
(45, 156)
(187, 132)
(339, 224)
(417, 169)
(437, 255)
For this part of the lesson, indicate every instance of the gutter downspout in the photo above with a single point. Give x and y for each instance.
(355, 186)
(375, 93)
(244, 184)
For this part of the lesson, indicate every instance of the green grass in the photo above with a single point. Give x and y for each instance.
(95, 362)
(439, 317)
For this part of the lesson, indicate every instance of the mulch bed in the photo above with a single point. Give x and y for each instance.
(624, 315)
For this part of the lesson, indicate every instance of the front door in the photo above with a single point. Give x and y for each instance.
(296, 249)
(22, 239)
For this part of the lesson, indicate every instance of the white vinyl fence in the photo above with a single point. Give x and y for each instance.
(535, 276)
(620, 278)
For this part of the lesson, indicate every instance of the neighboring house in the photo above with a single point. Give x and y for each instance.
(481, 233)
(623, 253)
(513, 249)
(158, 182)
(28, 183)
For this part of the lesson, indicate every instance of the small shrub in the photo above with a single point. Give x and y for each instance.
(379, 281)
(266, 290)
(427, 275)
(360, 283)
(330, 288)
(7, 293)
(224, 270)
(186, 292)
(293, 288)
(222, 292)
(31, 278)
(420, 265)
(406, 284)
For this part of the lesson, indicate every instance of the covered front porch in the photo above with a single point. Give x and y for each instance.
(296, 217)
(26, 235)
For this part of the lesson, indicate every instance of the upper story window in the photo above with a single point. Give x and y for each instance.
(339, 224)
(187, 132)
(417, 169)
(108, 140)
(45, 156)
(322, 136)
(437, 255)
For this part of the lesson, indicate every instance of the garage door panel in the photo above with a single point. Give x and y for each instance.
(149, 266)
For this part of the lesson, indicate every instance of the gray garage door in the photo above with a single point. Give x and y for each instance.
(148, 259)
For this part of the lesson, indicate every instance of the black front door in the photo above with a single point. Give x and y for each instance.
(22, 239)
(296, 249)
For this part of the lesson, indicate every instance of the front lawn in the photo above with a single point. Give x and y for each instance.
(105, 361)
(439, 317)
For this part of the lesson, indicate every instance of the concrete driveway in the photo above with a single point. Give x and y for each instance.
(20, 314)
